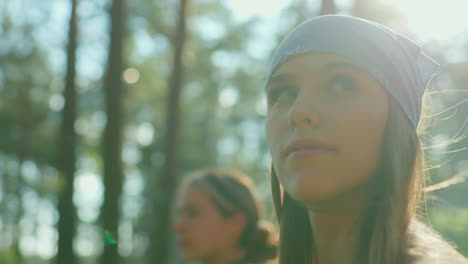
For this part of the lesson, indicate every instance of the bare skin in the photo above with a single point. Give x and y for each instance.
(324, 127)
(204, 234)
(336, 228)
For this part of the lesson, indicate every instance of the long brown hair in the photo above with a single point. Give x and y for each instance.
(389, 227)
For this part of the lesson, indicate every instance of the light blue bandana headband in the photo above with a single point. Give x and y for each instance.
(395, 61)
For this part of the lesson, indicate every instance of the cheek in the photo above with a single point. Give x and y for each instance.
(361, 137)
(269, 130)
(273, 138)
(362, 155)
(275, 129)
(204, 238)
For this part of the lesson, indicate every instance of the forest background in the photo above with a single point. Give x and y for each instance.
(106, 104)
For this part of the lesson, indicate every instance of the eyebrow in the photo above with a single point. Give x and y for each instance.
(189, 206)
(282, 77)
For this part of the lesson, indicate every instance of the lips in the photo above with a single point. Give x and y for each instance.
(306, 147)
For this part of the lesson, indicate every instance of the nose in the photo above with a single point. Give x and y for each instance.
(303, 114)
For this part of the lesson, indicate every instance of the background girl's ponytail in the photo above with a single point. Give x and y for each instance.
(262, 243)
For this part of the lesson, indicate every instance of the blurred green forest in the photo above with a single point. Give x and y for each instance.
(106, 104)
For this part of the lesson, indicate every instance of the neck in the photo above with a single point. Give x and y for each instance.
(225, 257)
(336, 226)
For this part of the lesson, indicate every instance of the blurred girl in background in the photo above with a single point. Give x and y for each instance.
(219, 220)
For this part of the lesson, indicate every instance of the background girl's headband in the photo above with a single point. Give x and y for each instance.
(395, 61)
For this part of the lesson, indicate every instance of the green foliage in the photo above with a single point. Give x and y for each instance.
(453, 225)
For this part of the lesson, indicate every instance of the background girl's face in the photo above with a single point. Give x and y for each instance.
(203, 231)
(324, 127)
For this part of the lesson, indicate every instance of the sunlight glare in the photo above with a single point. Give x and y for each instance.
(438, 20)
(244, 9)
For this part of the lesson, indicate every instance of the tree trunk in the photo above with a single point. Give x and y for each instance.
(328, 7)
(112, 140)
(161, 236)
(359, 8)
(67, 152)
(16, 182)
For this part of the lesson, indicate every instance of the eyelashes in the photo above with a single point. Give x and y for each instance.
(335, 86)
(188, 212)
(342, 83)
(281, 93)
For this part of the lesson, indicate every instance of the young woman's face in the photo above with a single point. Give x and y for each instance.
(324, 126)
(203, 231)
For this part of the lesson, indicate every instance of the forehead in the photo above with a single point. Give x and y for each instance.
(192, 197)
(316, 61)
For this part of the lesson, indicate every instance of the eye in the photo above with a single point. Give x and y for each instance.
(192, 213)
(281, 94)
(342, 83)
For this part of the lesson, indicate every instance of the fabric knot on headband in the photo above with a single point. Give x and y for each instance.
(396, 62)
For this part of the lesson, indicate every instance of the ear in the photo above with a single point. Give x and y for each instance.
(238, 222)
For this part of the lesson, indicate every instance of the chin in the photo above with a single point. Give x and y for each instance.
(312, 194)
(309, 188)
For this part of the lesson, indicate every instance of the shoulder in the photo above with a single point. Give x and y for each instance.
(444, 258)
(427, 247)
